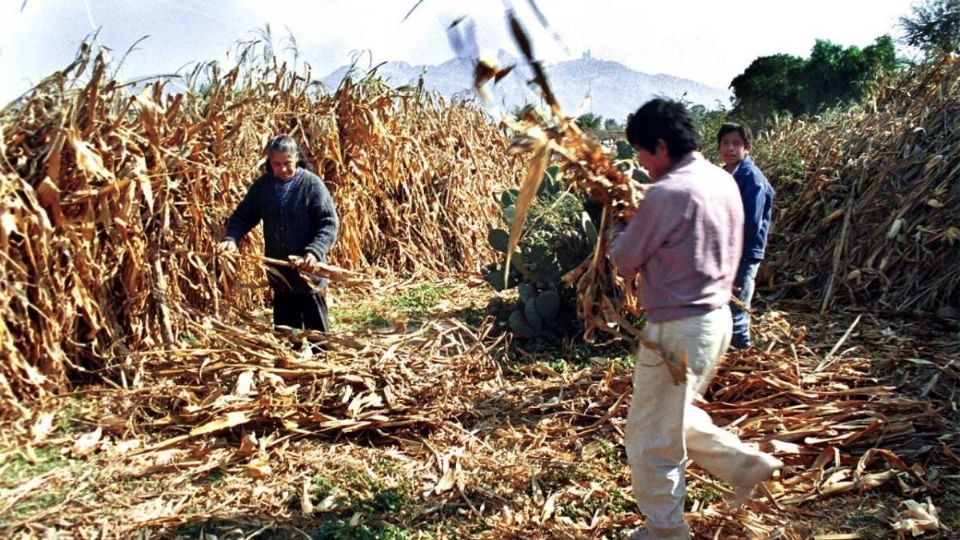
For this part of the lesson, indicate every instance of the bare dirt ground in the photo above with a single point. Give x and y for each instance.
(419, 419)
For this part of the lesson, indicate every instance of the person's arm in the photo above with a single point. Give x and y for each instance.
(751, 193)
(633, 244)
(244, 217)
(323, 216)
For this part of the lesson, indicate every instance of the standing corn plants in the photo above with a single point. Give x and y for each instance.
(111, 203)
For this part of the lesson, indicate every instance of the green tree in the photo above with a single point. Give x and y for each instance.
(832, 75)
(709, 121)
(770, 83)
(934, 26)
(589, 122)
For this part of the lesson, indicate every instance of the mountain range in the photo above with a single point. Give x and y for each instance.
(587, 84)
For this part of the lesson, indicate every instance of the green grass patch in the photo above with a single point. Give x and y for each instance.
(418, 301)
(414, 303)
(572, 355)
(614, 504)
(704, 493)
(349, 529)
(361, 318)
(19, 468)
(610, 453)
(376, 503)
(69, 417)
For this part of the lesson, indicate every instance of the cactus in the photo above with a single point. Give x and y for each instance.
(548, 305)
(531, 314)
(537, 313)
(498, 239)
(526, 292)
(518, 323)
(559, 235)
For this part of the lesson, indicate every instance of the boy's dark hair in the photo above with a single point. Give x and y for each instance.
(742, 129)
(663, 119)
(283, 144)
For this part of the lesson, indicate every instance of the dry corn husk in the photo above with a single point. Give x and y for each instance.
(111, 203)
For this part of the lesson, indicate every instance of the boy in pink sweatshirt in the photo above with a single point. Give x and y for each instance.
(685, 241)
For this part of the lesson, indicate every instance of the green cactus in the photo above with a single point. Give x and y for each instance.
(558, 236)
(548, 305)
(532, 316)
(518, 323)
(494, 275)
(499, 239)
(526, 292)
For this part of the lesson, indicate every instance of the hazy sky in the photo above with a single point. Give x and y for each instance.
(709, 42)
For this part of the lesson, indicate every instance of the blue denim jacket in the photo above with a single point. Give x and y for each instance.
(757, 196)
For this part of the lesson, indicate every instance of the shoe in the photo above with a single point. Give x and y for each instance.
(637, 534)
(644, 533)
(761, 471)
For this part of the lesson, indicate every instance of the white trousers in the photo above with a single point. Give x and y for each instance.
(664, 428)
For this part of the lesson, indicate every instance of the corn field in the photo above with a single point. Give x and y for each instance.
(113, 201)
(144, 393)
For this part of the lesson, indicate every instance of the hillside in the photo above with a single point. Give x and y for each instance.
(616, 90)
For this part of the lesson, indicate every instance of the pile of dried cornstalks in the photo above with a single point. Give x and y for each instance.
(481, 453)
(868, 200)
(111, 202)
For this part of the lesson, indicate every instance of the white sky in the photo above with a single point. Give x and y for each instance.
(709, 42)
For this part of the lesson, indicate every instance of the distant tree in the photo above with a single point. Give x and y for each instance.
(709, 121)
(832, 75)
(770, 83)
(589, 122)
(934, 26)
(612, 125)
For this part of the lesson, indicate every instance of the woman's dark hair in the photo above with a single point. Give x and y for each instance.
(283, 144)
(742, 129)
(663, 119)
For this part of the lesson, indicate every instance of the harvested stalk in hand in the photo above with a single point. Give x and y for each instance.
(329, 271)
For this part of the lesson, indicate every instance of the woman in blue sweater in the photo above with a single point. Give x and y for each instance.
(756, 193)
(299, 220)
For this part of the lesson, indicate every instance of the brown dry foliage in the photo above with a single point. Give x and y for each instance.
(869, 212)
(110, 202)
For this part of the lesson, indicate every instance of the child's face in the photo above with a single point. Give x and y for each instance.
(733, 148)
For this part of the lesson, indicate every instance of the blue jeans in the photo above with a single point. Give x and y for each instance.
(743, 290)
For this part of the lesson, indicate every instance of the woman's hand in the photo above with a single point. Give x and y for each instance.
(308, 263)
(227, 246)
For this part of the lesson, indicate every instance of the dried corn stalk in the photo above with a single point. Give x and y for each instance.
(870, 199)
(111, 202)
(602, 296)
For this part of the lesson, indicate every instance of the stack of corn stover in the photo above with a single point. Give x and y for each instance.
(111, 203)
(868, 209)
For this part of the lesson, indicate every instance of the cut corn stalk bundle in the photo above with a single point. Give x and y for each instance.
(602, 297)
(871, 199)
(111, 202)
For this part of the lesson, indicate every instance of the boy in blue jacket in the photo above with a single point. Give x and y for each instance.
(756, 193)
